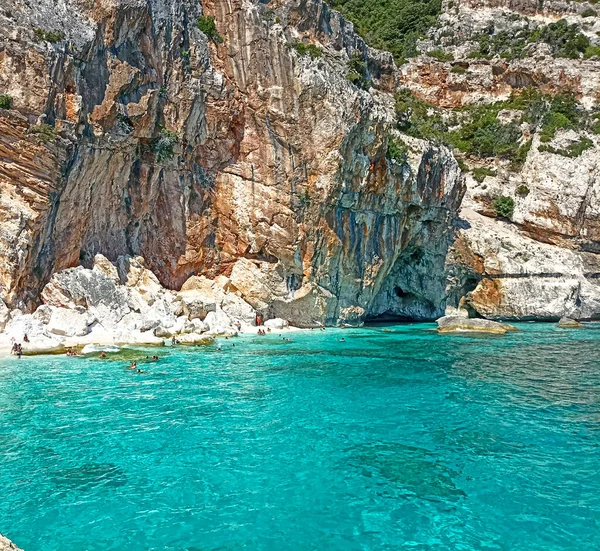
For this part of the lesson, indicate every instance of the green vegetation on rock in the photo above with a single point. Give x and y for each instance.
(311, 50)
(49, 36)
(357, 71)
(208, 27)
(392, 25)
(440, 55)
(397, 150)
(5, 101)
(564, 39)
(164, 145)
(572, 150)
(480, 173)
(504, 207)
(43, 132)
(479, 131)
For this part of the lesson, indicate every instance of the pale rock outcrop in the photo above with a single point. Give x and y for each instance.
(458, 324)
(195, 339)
(7, 545)
(276, 323)
(69, 323)
(106, 267)
(4, 315)
(219, 323)
(91, 290)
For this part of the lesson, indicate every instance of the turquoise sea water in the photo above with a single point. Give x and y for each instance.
(397, 439)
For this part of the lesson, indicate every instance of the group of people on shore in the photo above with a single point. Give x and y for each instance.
(17, 349)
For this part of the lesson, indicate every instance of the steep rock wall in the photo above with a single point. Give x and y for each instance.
(279, 177)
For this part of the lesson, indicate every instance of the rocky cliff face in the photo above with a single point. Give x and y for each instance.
(132, 133)
(544, 262)
(244, 151)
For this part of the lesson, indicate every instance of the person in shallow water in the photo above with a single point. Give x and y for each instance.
(103, 354)
(133, 365)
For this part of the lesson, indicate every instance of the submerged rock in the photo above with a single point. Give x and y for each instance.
(457, 324)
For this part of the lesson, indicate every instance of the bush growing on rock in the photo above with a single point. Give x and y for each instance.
(49, 36)
(311, 50)
(5, 101)
(522, 189)
(480, 173)
(208, 27)
(397, 151)
(43, 132)
(572, 150)
(164, 145)
(504, 207)
(440, 55)
(357, 71)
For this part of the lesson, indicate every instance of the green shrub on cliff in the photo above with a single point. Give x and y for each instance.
(357, 71)
(572, 150)
(165, 144)
(208, 27)
(480, 173)
(5, 101)
(397, 151)
(440, 55)
(49, 36)
(43, 132)
(392, 25)
(504, 207)
(311, 50)
(565, 40)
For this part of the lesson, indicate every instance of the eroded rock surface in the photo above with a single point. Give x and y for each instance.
(136, 136)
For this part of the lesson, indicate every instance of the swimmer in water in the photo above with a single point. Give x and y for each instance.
(103, 355)
(342, 339)
(133, 365)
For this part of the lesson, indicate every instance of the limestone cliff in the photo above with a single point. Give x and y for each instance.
(133, 133)
(262, 142)
(543, 262)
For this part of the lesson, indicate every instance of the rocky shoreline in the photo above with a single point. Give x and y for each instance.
(125, 304)
(7, 545)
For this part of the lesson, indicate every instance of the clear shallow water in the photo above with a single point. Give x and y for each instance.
(390, 440)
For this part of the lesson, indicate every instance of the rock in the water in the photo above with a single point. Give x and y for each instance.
(7, 545)
(195, 339)
(568, 322)
(450, 324)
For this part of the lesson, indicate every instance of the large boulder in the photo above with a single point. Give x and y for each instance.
(93, 290)
(238, 309)
(458, 324)
(200, 296)
(69, 323)
(195, 339)
(219, 323)
(104, 266)
(276, 323)
(134, 274)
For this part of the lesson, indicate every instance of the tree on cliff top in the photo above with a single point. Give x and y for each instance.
(392, 25)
